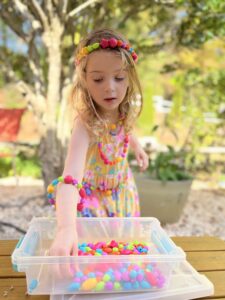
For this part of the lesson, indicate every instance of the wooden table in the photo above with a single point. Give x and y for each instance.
(206, 254)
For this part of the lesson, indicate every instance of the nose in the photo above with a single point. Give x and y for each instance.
(109, 85)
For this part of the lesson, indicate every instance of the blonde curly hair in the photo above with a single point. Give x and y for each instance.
(80, 97)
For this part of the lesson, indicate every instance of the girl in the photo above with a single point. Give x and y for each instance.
(104, 93)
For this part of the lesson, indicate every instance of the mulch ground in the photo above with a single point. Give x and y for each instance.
(202, 215)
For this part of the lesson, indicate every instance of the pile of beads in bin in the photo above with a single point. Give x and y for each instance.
(113, 248)
(117, 277)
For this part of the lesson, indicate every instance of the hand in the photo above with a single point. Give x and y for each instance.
(142, 158)
(64, 244)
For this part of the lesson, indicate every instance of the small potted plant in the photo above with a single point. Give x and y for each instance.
(164, 187)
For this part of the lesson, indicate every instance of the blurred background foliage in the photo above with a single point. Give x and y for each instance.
(181, 59)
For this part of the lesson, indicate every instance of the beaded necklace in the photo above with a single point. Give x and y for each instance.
(114, 130)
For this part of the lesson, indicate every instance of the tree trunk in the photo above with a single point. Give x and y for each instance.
(52, 150)
(52, 156)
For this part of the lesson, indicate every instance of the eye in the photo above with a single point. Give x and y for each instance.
(98, 80)
(119, 78)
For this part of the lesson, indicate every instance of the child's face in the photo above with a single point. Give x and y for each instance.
(107, 81)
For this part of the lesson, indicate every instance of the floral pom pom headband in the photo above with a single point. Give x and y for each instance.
(104, 43)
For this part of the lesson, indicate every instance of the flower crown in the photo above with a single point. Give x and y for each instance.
(104, 43)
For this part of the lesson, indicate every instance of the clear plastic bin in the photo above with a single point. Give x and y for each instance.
(185, 284)
(97, 274)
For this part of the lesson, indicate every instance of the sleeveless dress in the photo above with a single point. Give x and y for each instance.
(123, 200)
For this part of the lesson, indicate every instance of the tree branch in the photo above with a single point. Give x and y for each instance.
(134, 10)
(35, 102)
(40, 13)
(15, 24)
(80, 8)
(64, 7)
(49, 7)
(34, 63)
(22, 8)
(8, 71)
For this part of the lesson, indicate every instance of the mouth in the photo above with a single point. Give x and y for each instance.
(110, 99)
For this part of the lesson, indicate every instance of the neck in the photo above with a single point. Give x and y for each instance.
(111, 117)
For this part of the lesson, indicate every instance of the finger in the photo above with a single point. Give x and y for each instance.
(145, 164)
(73, 266)
(139, 161)
(142, 168)
(65, 268)
(147, 161)
(75, 250)
(55, 271)
(59, 269)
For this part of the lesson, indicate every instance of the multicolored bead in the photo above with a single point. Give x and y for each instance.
(117, 159)
(104, 43)
(85, 190)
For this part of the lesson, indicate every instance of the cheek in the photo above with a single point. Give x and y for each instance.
(123, 89)
(91, 87)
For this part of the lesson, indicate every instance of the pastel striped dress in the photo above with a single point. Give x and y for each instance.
(122, 200)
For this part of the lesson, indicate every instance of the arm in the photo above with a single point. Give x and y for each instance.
(141, 156)
(65, 241)
(67, 195)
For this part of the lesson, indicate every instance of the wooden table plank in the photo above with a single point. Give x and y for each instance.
(207, 261)
(19, 291)
(6, 269)
(218, 280)
(7, 246)
(196, 243)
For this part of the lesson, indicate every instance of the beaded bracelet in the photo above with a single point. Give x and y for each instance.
(84, 189)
